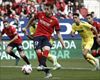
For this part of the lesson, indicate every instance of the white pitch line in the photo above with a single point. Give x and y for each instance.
(71, 68)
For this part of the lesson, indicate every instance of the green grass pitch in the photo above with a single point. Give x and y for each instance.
(72, 69)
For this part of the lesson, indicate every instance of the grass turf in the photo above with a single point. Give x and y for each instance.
(74, 69)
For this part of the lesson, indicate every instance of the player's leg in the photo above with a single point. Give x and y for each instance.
(95, 53)
(95, 50)
(53, 59)
(42, 64)
(98, 51)
(22, 54)
(11, 53)
(46, 50)
(94, 61)
(38, 44)
(39, 56)
(43, 57)
(38, 49)
(89, 57)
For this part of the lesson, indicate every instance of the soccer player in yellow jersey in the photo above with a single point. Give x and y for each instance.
(85, 31)
(52, 58)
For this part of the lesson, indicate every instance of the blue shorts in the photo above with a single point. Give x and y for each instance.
(40, 42)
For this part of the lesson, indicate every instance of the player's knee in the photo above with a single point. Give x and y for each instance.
(38, 51)
(46, 48)
(8, 51)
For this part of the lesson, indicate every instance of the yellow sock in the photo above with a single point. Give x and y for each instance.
(52, 58)
(90, 59)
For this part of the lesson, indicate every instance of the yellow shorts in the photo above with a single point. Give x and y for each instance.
(87, 43)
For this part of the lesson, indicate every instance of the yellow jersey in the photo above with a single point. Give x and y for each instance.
(84, 29)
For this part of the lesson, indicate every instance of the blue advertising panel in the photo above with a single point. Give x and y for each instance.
(66, 27)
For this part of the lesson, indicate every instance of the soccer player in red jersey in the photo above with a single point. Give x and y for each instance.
(47, 23)
(96, 45)
(15, 41)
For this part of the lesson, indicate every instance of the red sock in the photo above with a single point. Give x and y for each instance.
(45, 53)
(39, 55)
(99, 52)
(94, 53)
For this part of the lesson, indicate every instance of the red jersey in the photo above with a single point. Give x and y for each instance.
(38, 1)
(46, 25)
(96, 25)
(50, 1)
(11, 33)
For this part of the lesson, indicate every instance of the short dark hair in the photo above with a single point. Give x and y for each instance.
(89, 15)
(75, 14)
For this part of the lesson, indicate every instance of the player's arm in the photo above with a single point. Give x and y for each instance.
(60, 38)
(92, 28)
(57, 29)
(95, 31)
(96, 34)
(29, 36)
(73, 31)
(30, 22)
(28, 25)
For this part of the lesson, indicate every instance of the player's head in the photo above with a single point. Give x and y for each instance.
(6, 23)
(76, 18)
(48, 9)
(89, 18)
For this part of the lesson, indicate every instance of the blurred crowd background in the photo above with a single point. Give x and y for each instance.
(26, 8)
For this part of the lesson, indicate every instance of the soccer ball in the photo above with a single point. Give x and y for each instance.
(26, 69)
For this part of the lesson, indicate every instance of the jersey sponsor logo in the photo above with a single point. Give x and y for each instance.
(44, 23)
